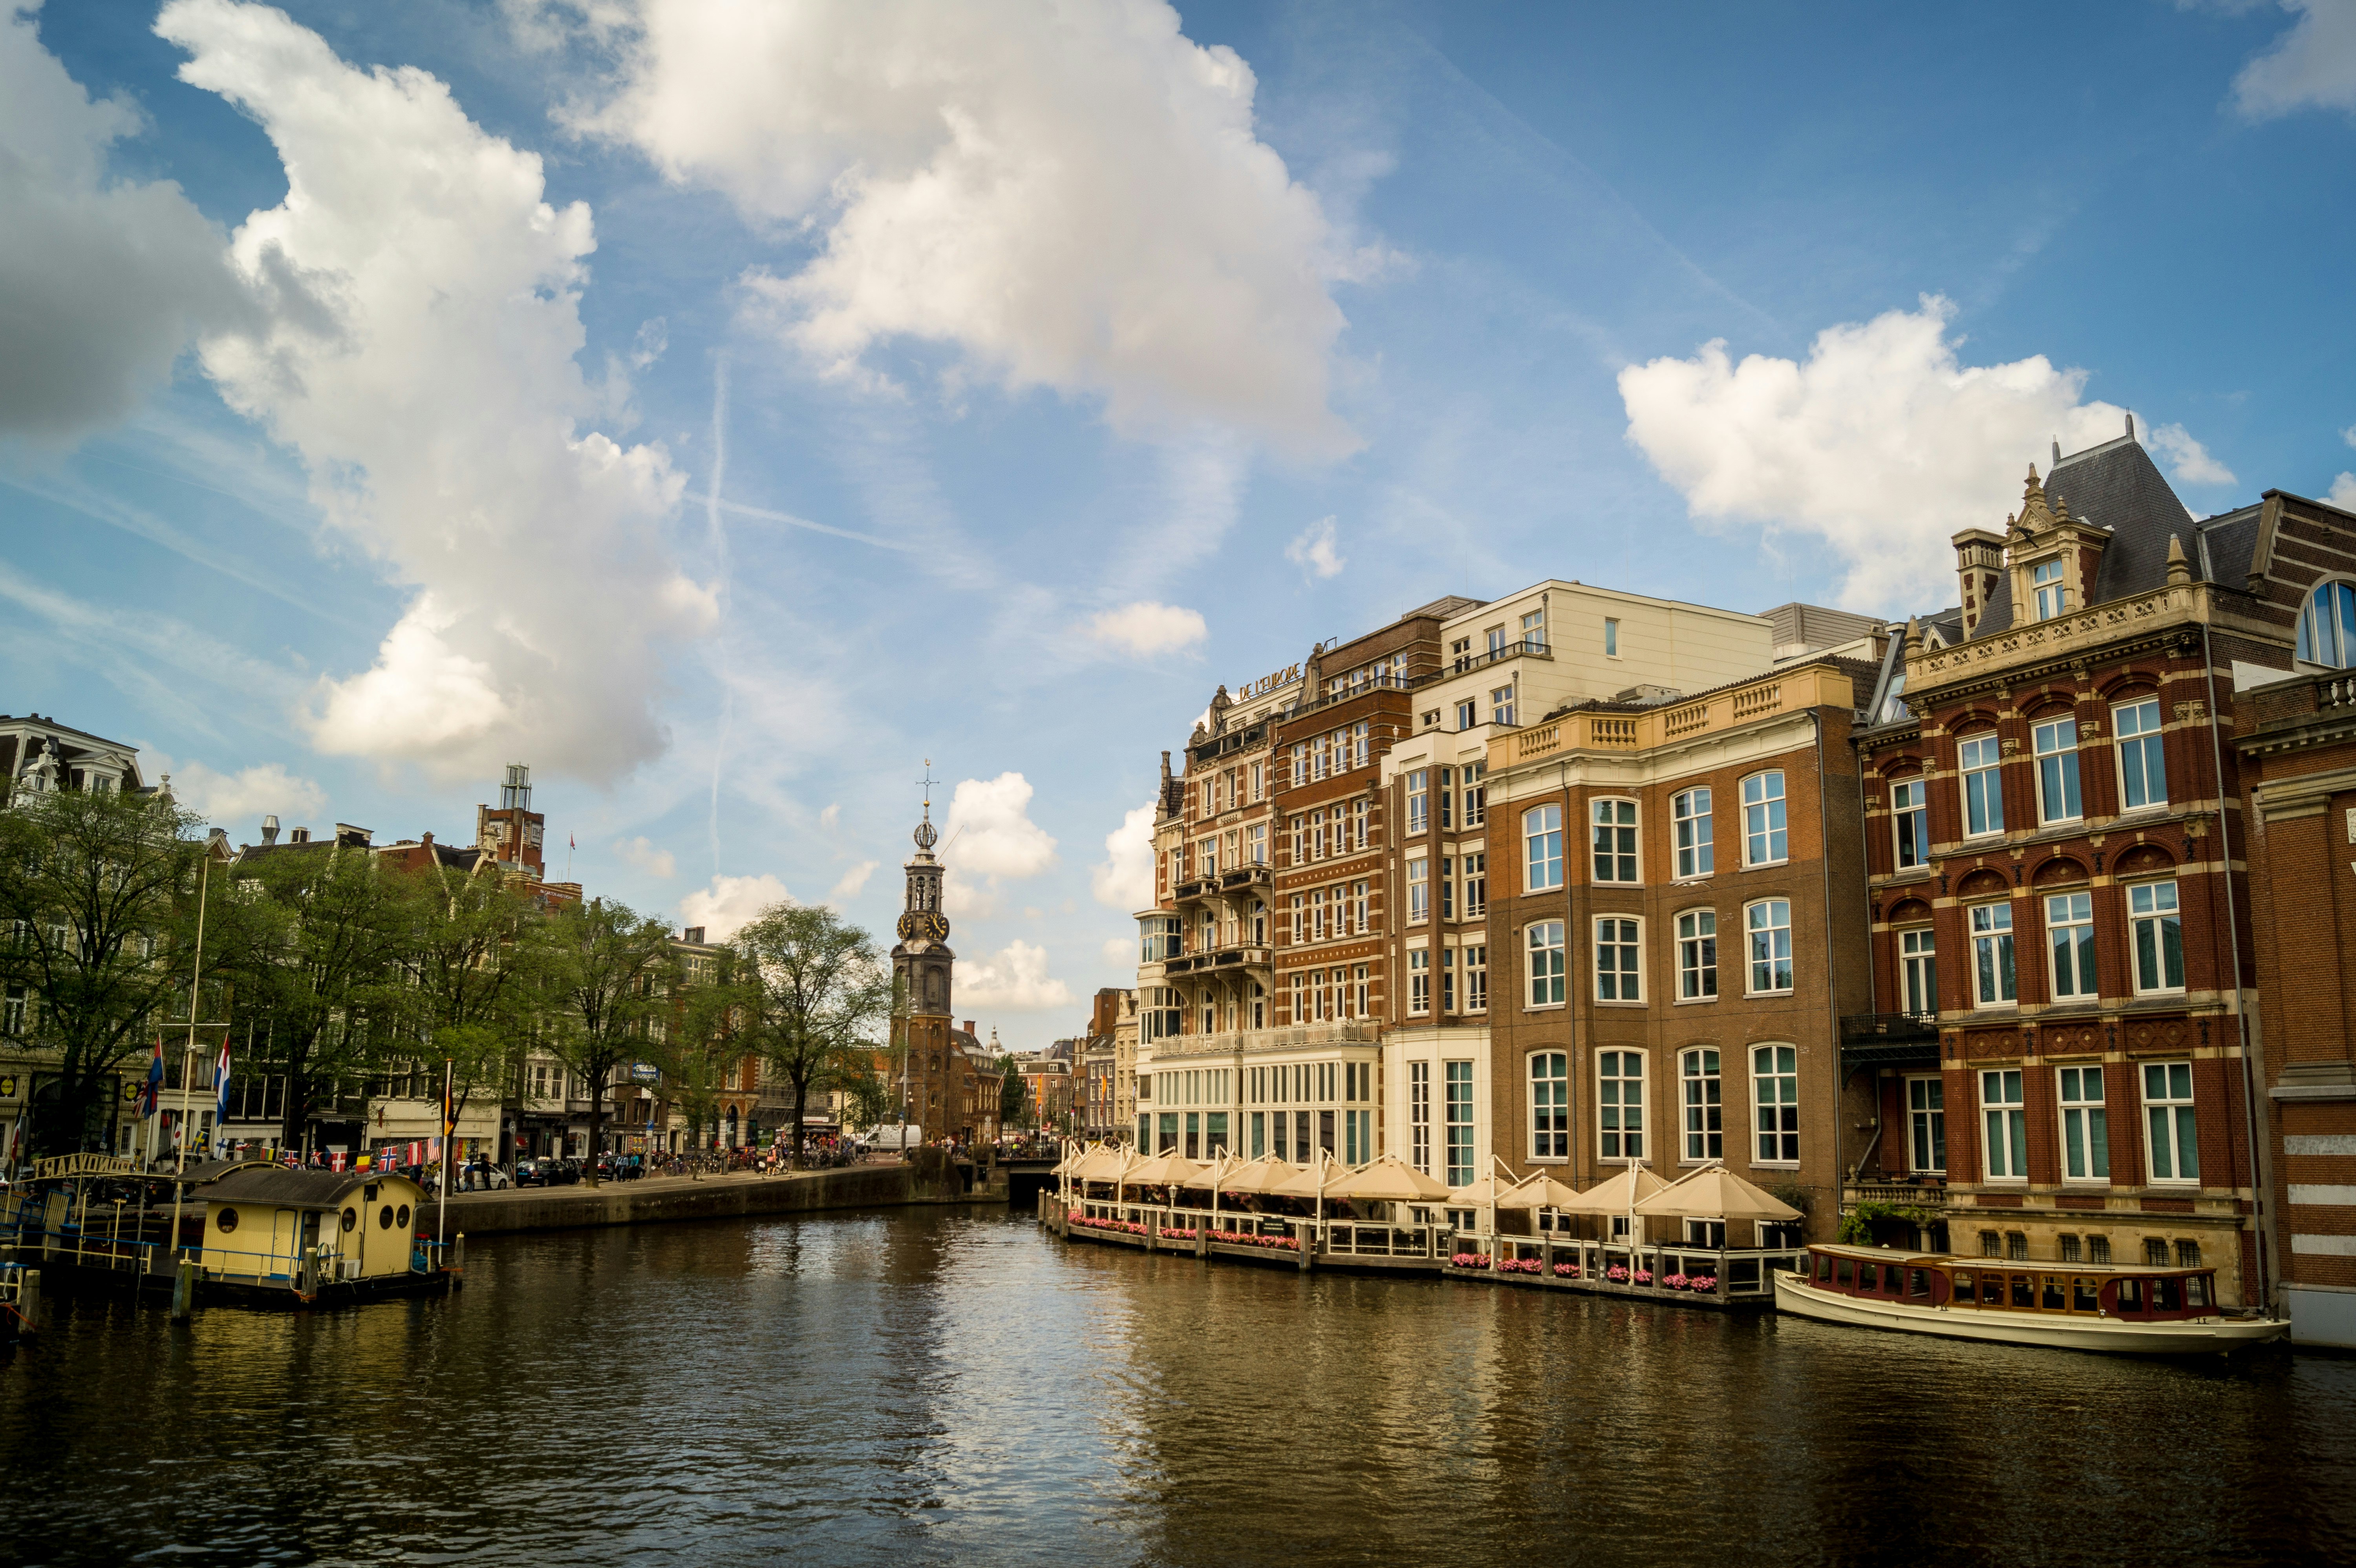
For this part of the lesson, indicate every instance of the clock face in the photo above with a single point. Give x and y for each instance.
(936, 925)
(923, 923)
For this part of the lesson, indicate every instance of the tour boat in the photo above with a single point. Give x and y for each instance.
(2066, 1306)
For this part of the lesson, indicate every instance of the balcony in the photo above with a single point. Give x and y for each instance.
(1241, 956)
(1292, 1037)
(1889, 1040)
(1669, 722)
(1924, 1192)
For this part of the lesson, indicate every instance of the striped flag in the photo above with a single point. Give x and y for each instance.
(151, 1093)
(221, 1090)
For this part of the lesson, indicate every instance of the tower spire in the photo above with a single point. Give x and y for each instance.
(926, 834)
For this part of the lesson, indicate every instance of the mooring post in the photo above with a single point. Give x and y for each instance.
(1305, 1235)
(184, 1290)
(28, 1298)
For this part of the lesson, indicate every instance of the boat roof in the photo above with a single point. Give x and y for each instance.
(281, 1189)
(2022, 1266)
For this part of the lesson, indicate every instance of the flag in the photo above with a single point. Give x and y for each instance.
(221, 1089)
(150, 1093)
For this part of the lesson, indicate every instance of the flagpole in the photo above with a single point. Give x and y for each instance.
(196, 973)
(442, 1207)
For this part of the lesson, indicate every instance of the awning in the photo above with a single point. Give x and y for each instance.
(1621, 1194)
(1715, 1192)
(1389, 1180)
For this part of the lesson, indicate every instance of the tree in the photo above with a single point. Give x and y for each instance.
(472, 953)
(98, 896)
(1010, 1099)
(697, 1052)
(319, 941)
(867, 1094)
(606, 980)
(810, 991)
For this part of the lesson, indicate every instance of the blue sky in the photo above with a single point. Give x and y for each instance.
(727, 414)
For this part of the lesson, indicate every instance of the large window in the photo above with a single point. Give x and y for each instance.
(1980, 759)
(1545, 964)
(1476, 793)
(1764, 841)
(1477, 884)
(1542, 849)
(2327, 625)
(1926, 1125)
(1418, 890)
(2157, 928)
(1615, 841)
(1768, 924)
(2085, 1130)
(1689, 813)
(1918, 971)
(1994, 984)
(1775, 1104)
(2143, 770)
(1501, 706)
(1162, 937)
(1910, 814)
(1697, 954)
(1477, 979)
(1703, 1096)
(2174, 1135)
(1459, 1122)
(1418, 1115)
(1550, 1105)
(1418, 800)
(2006, 1120)
(2069, 931)
(1617, 952)
(2045, 580)
(2057, 770)
(1418, 980)
(1620, 1103)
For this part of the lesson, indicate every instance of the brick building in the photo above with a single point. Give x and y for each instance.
(2064, 1020)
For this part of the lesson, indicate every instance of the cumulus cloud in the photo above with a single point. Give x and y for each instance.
(1147, 627)
(989, 837)
(848, 885)
(2312, 66)
(1120, 952)
(1071, 197)
(1314, 551)
(2187, 458)
(101, 280)
(641, 853)
(1123, 879)
(2343, 492)
(1882, 445)
(238, 801)
(731, 903)
(1013, 979)
(419, 355)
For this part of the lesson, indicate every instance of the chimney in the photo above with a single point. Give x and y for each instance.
(300, 836)
(692, 934)
(969, 1025)
(2057, 452)
(2131, 427)
(270, 829)
(1980, 561)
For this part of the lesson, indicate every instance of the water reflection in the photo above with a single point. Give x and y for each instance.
(928, 1387)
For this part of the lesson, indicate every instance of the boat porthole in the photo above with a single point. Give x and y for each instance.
(225, 1221)
(351, 1218)
(401, 1217)
(384, 1218)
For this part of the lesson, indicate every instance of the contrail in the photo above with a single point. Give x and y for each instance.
(712, 506)
(742, 510)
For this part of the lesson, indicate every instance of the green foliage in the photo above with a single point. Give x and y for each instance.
(809, 991)
(1856, 1225)
(1013, 1104)
(602, 974)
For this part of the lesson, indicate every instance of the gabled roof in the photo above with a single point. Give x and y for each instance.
(2119, 488)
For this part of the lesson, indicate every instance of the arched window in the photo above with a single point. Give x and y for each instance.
(2327, 625)
(1550, 1105)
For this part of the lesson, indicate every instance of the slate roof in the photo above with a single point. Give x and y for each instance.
(2118, 486)
(283, 1189)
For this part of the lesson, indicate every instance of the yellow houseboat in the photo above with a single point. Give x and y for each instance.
(309, 1236)
(2066, 1306)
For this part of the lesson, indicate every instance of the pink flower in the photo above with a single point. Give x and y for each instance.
(1643, 1277)
(1615, 1272)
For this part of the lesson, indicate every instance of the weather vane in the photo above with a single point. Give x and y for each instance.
(926, 835)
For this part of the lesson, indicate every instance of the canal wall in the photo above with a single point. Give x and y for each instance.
(929, 1178)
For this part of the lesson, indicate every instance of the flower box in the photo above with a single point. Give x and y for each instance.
(1566, 1271)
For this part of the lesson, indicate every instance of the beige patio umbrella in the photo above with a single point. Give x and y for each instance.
(1389, 1180)
(1485, 1191)
(1256, 1175)
(1621, 1194)
(1309, 1181)
(1715, 1192)
(1173, 1170)
(1540, 1191)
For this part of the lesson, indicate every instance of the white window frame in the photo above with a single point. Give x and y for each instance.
(1542, 943)
(1616, 1140)
(1419, 981)
(1542, 849)
(1697, 954)
(1614, 859)
(1766, 830)
(2004, 1126)
(1418, 801)
(1774, 1105)
(1769, 953)
(2171, 1123)
(1418, 890)
(1610, 636)
(1418, 1115)
(1918, 971)
(1689, 813)
(1927, 1125)
(1996, 964)
(2071, 971)
(1910, 822)
(2153, 908)
(2085, 1124)
(1980, 772)
(1476, 793)
(1501, 706)
(1624, 934)
(1477, 884)
(1461, 1131)
(2138, 739)
(2055, 744)
(1549, 1129)
(1701, 1105)
(2048, 593)
(1476, 977)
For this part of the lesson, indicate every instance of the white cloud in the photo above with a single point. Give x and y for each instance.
(102, 280)
(1123, 879)
(1015, 980)
(1120, 952)
(987, 837)
(830, 819)
(2349, 435)
(238, 801)
(2187, 458)
(847, 886)
(731, 903)
(1146, 627)
(2312, 66)
(1882, 443)
(654, 862)
(2343, 492)
(419, 355)
(1071, 196)
(1314, 551)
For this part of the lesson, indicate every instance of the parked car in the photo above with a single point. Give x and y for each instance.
(531, 1173)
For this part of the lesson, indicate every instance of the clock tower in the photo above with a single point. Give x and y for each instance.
(929, 1064)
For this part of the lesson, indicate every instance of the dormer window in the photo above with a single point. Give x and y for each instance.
(2045, 578)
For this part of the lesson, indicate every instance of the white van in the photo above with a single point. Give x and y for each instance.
(895, 1139)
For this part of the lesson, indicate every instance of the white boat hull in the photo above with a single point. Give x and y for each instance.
(1797, 1296)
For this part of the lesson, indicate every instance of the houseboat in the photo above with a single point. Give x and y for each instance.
(300, 1238)
(2065, 1306)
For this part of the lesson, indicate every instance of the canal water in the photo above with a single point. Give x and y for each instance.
(928, 1387)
